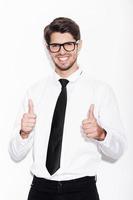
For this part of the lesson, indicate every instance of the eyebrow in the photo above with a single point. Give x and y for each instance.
(62, 43)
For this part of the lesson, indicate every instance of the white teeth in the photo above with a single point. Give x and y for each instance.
(63, 58)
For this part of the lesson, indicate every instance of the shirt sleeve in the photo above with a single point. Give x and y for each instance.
(18, 147)
(109, 118)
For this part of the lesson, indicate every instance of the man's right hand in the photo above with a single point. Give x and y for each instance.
(28, 121)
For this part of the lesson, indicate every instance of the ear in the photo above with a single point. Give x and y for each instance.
(46, 46)
(47, 49)
(79, 45)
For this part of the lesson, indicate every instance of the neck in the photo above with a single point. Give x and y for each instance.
(65, 74)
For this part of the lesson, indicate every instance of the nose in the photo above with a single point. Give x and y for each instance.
(62, 50)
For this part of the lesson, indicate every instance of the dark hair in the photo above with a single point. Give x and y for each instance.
(62, 25)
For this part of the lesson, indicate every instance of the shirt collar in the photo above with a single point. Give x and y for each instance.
(72, 78)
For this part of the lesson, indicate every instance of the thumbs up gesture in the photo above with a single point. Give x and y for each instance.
(28, 121)
(91, 128)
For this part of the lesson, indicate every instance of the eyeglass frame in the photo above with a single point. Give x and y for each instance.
(60, 45)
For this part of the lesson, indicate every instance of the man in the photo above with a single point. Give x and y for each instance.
(69, 121)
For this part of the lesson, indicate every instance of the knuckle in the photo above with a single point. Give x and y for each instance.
(34, 121)
(86, 131)
(28, 128)
(32, 124)
(85, 127)
(25, 120)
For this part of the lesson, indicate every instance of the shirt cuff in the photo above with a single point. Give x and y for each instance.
(22, 141)
(106, 142)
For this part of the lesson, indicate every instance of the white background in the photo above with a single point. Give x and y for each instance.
(106, 28)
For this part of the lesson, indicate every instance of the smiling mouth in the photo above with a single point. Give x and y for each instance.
(63, 59)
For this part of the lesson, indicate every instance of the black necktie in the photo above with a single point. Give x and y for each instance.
(56, 134)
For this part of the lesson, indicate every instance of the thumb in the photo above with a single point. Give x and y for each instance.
(30, 107)
(91, 112)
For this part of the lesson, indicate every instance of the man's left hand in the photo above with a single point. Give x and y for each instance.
(91, 128)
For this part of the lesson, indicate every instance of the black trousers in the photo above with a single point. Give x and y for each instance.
(77, 189)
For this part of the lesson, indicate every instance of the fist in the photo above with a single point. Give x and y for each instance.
(91, 128)
(28, 121)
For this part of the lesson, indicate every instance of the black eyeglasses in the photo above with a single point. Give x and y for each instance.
(68, 46)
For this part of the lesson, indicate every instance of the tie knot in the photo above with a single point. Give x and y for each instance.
(63, 82)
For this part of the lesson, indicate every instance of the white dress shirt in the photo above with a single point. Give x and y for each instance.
(80, 155)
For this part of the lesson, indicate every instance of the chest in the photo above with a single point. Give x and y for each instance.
(79, 99)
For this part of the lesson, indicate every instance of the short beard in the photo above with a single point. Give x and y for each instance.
(67, 68)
